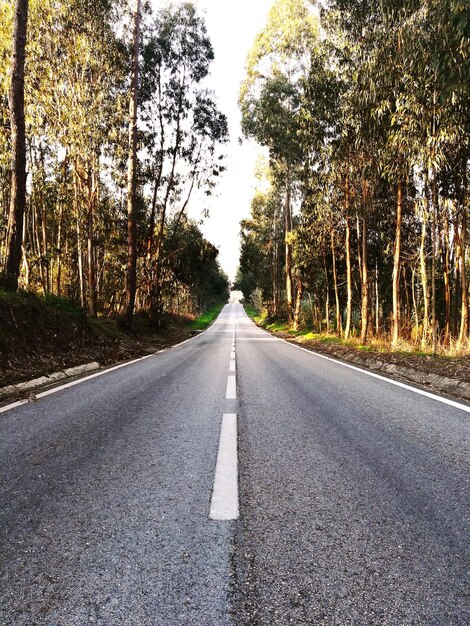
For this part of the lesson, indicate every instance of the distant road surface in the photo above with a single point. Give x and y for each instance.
(120, 502)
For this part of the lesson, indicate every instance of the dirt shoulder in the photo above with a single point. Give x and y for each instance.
(450, 376)
(39, 337)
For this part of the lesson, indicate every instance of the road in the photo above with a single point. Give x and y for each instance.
(120, 503)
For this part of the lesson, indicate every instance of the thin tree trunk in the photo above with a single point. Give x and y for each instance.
(435, 210)
(327, 298)
(348, 264)
(298, 303)
(62, 201)
(79, 241)
(131, 282)
(447, 294)
(18, 147)
(365, 284)
(377, 304)
(415, 304)
(424, 279)
(288, 221)
(463, 279)
(339, 330)
(396, 269)
(92, 289)
(275, 267)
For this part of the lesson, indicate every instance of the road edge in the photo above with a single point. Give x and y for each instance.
(458, 389)
(77, 374)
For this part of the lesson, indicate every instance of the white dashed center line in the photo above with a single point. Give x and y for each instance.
(224, 502)
(231, 392)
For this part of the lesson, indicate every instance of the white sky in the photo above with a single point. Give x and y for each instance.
(232, 26)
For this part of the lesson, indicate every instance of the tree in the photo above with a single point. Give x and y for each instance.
(131, 283)
(18, 146)
(186, 129)
(270, 99)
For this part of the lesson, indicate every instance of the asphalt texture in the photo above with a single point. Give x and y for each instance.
(354, 496)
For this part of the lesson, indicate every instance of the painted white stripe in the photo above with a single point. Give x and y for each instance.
(231, 392)
(49, 392)
(4, 409)
(224, 501)
(232, 366)
(390, 381)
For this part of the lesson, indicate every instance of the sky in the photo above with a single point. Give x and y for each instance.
(232, 26)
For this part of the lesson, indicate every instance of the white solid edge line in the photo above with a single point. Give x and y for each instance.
(3, 409)
(224, 501)
(421, 392)
(231, 392)
(78, 381)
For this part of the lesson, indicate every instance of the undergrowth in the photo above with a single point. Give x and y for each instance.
(379, 344)
(206, 319)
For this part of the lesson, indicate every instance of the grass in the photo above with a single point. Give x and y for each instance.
(379, 344)
(206, 319)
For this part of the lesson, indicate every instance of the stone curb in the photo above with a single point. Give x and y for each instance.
(30, 385)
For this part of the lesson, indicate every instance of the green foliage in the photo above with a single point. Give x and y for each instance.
(206, 319)
(77, 95)
(381, 105)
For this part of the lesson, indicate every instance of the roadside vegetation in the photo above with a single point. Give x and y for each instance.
(108, 133)
(359, 230)
(43, 334)
(206, 319)
(107, 109)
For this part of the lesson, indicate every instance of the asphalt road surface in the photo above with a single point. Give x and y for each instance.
(120, 502)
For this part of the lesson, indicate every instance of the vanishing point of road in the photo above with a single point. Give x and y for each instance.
(235, 480)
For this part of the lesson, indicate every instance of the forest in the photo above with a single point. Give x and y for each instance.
(108, 132)
(359, 226)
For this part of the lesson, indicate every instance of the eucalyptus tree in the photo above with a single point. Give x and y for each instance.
(131, 277)
(261, 238)
(18, 145)
(73, 91)
(184, 128)
(270, 98)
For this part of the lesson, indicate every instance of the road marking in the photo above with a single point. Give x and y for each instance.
(13, 406)
(49, 392)
(232, 366)
(421, 392)
(231, 392)
(224, 501)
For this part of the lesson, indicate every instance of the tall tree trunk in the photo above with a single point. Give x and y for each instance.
(327, 289)
(463, 283)
(339, 329)
(424, 279)
(79, 239)
(92, 288)
(298, 303)
(348, 263)
(396, 268)
(377, 303)
(435, 211)
(463, 279)
(18, 145)
(288, 222)
(364, 284)
(447, 294)
(275, 268)
(131, 282)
